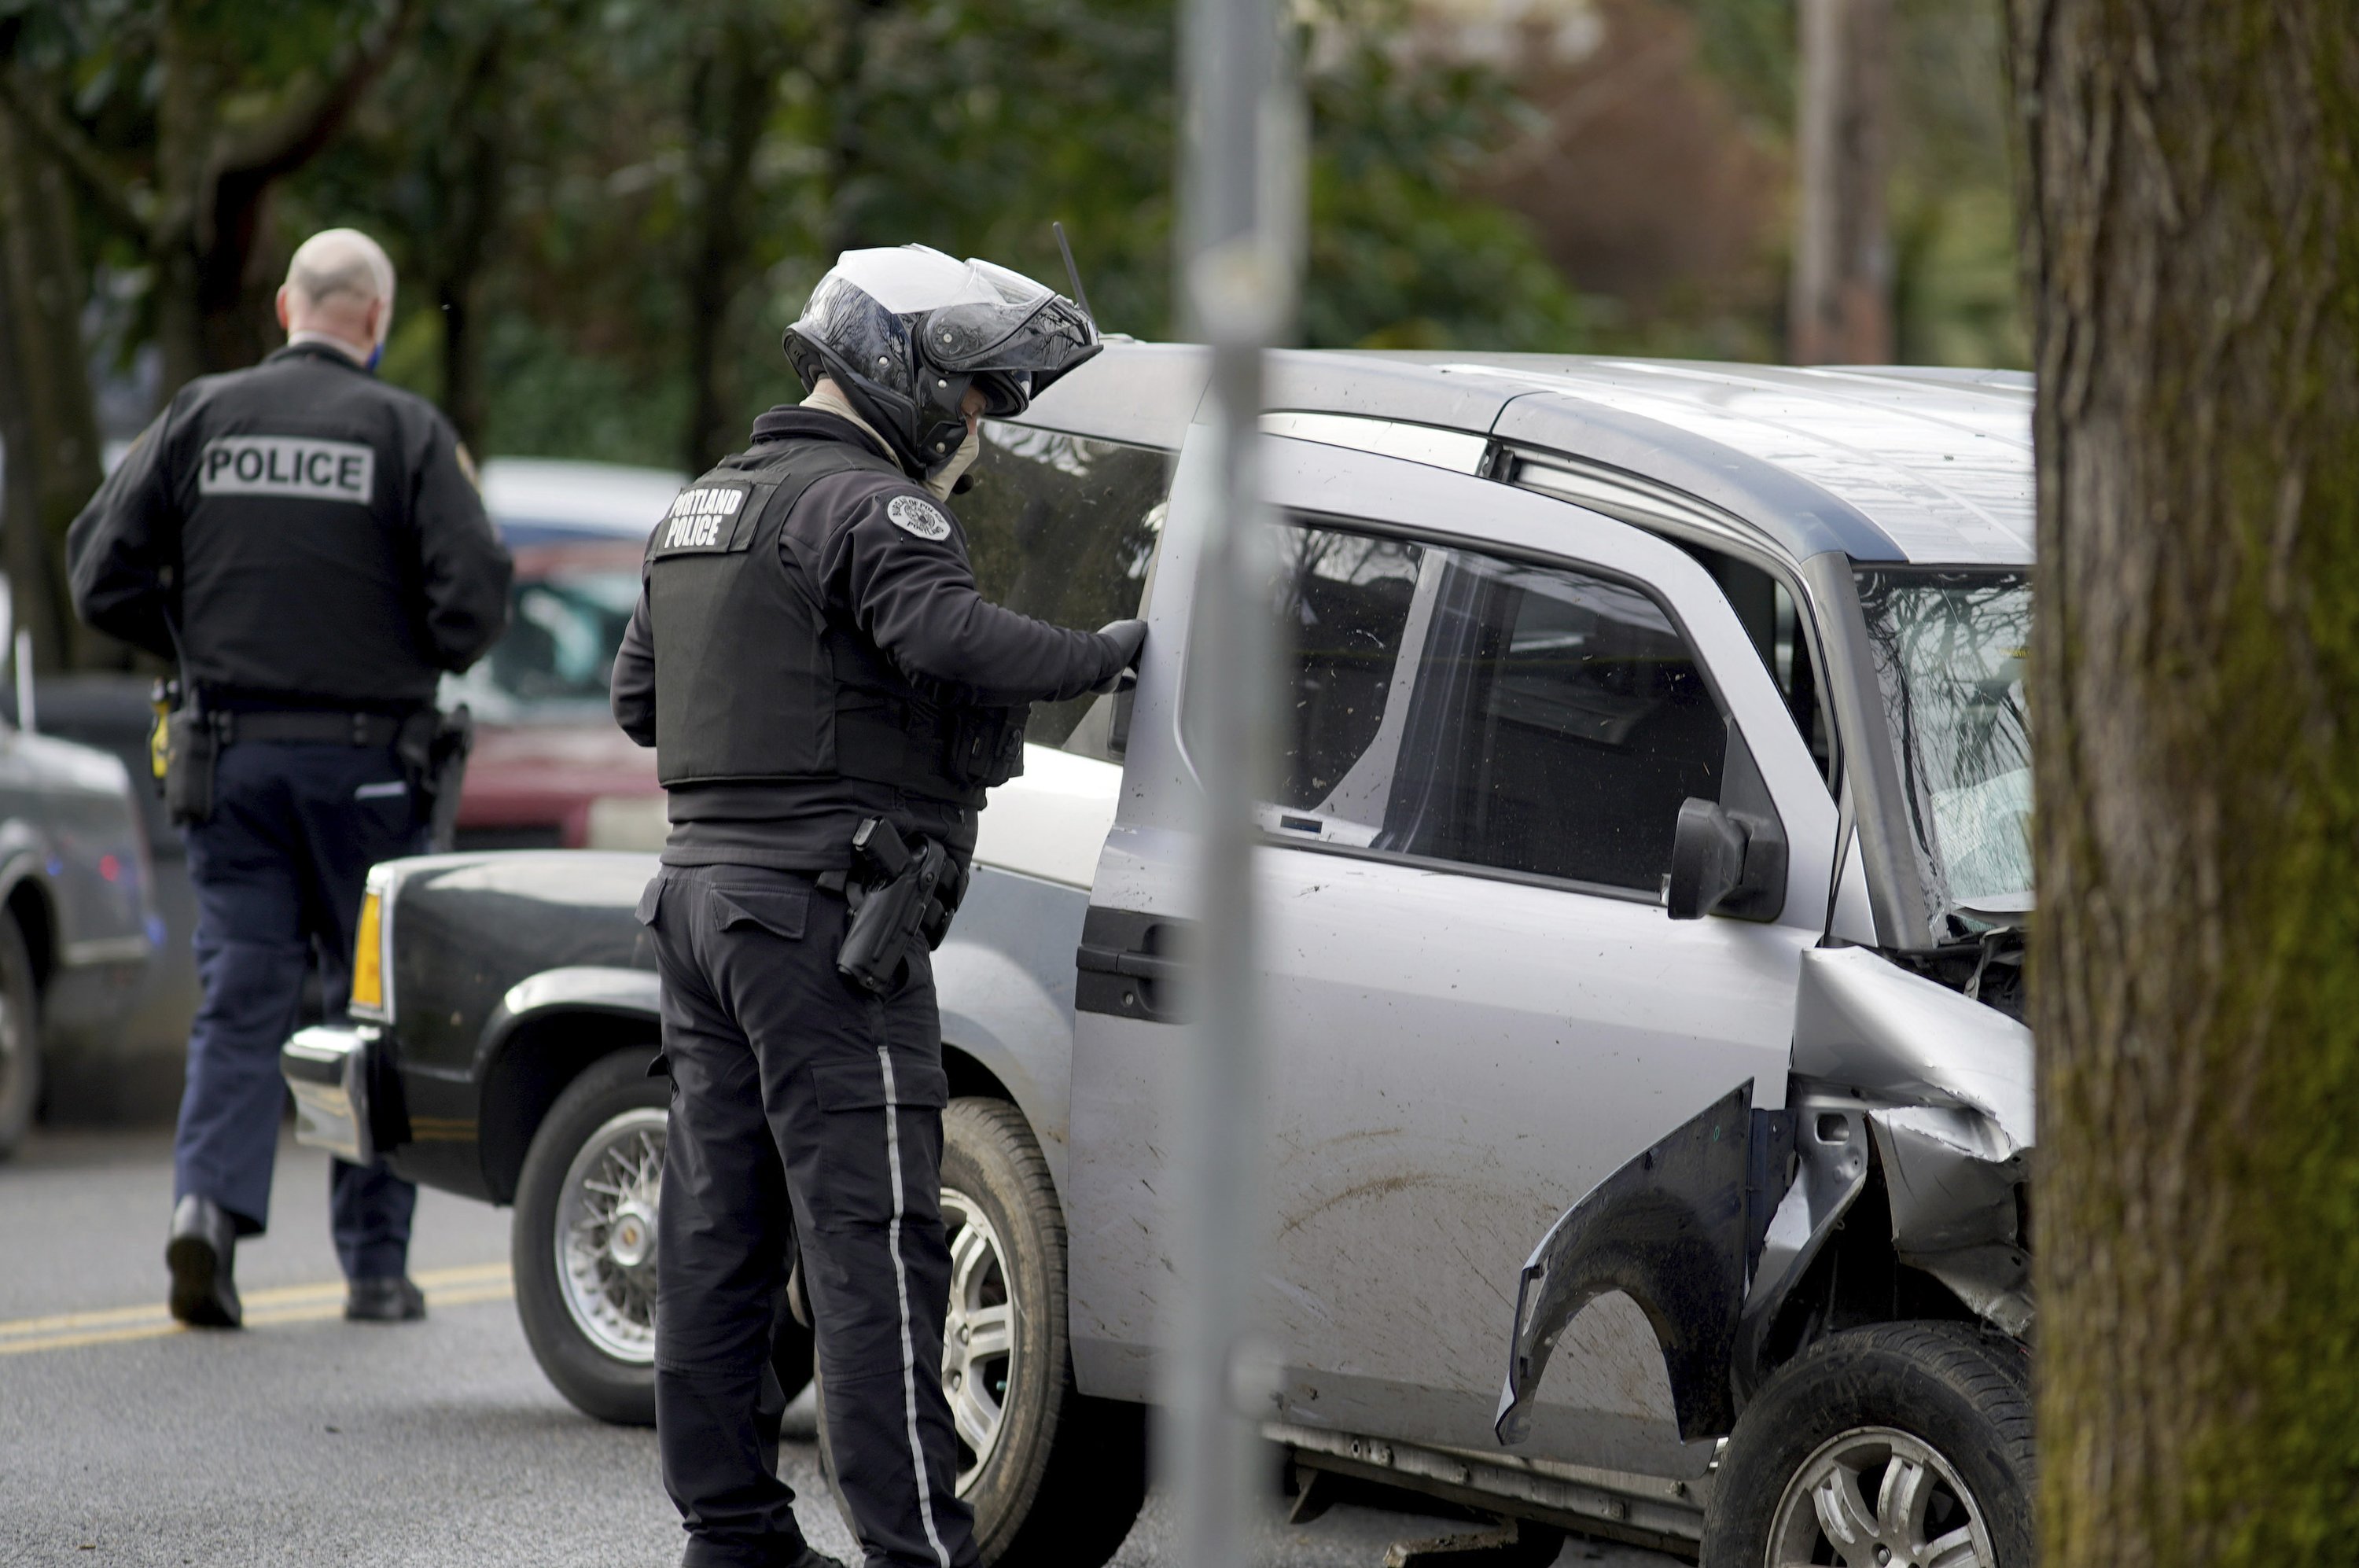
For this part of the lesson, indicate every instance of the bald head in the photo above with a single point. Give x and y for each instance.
(338, 286)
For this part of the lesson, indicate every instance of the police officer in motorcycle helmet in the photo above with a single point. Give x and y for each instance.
(813, 661)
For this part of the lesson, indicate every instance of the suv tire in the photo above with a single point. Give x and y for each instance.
(20, 1038)
(607, 1122)
(1065, 1474)
(1950, 1400)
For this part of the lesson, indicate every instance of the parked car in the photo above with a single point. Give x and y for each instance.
(1643, 894)
(550, 769)
(78, 916)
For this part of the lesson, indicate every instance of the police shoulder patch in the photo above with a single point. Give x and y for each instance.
(922, 519)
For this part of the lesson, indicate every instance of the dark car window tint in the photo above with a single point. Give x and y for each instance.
(1343, 603)
(1063, 528)
(1453, 706)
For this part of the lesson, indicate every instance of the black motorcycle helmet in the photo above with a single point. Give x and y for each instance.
(906, 332)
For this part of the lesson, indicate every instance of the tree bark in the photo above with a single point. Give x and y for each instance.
(731, 88)
(475, 187)
(1841, 307)
(2191, 227)
(205, 228)
(45, 413)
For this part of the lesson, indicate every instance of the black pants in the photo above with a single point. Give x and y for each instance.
(280, 870)
(790, 1086)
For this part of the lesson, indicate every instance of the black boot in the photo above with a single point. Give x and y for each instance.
(202, 1255)
(387, 1297)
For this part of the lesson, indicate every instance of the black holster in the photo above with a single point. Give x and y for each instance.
(433, 749)
(190, 748)
(898, 896)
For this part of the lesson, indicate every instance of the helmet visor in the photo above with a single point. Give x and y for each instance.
(872, 342)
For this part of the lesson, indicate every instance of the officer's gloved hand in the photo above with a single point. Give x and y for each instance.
(1130, 636)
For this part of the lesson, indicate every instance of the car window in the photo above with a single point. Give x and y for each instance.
(557, 657)
(1450, 705)
(1765, 607)
(1064, 528)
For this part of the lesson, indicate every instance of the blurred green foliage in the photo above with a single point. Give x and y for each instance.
(579, 192)
(965, 126)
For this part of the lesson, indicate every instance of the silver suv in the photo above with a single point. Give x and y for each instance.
(1644, 889)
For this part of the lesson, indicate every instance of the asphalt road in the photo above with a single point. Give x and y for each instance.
(308, 1441)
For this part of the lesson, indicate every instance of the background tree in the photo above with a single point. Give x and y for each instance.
(46, 421)
(1841, 303)
(221, 99)
(2191, 242)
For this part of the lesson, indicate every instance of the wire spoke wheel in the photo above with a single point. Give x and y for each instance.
(606, 1234)
(978, 1347)
(1878, 1498)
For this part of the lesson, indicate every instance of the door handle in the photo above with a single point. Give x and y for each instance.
(1131, 965)
(1125, 966)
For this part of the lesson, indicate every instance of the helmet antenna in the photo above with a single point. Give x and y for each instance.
(1073, 273)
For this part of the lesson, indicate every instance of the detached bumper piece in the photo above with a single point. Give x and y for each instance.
(330, 1068)
(1675, 1230)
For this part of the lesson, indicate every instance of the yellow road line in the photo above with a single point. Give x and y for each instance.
(108, 1336)
(280, 1304)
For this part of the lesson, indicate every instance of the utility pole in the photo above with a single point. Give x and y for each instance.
(1241, 211)
(1841, 308)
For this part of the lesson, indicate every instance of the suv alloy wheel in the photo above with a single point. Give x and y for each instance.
(1054, 1477)
(1900, 1445)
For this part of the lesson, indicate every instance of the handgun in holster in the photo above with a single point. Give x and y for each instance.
(181, 751)
(433, 748)
(898, 896)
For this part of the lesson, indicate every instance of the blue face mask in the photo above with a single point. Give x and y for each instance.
(376, 354)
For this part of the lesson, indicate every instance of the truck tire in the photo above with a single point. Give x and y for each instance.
(1054, 1477)
(1915, 1437)
(20, 1038)
(584, 1259)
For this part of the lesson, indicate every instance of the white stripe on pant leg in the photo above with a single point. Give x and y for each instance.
(901, 1290)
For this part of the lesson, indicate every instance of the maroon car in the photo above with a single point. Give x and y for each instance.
(550, 769)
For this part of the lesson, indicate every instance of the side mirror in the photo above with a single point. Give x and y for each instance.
(1729, 857)
(1707, 859)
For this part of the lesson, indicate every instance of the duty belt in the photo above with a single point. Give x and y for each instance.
(325, 729)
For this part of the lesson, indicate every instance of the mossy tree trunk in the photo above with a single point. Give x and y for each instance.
(2191, 244)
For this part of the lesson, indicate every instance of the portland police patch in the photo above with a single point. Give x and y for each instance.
(913, 515)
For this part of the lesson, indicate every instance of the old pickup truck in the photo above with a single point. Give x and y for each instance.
(1649, 1105)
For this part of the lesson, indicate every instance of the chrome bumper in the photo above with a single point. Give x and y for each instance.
(327, 1067)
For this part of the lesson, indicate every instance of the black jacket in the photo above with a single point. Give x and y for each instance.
(899, 589)
(313, 533)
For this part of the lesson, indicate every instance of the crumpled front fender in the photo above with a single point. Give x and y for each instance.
(1952, 1176)
(1956, 1157)
(1670, 1231)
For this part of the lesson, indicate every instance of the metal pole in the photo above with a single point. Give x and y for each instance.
(1240, 248)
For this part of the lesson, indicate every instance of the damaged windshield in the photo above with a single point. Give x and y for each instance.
(1949, 649)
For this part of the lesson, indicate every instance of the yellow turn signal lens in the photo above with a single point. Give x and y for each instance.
(368, 957)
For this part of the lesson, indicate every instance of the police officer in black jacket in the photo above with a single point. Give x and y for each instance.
(810, 654)
(307, 544)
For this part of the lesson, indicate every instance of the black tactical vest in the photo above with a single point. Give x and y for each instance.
(754, 680)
